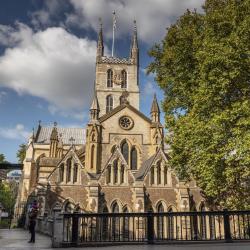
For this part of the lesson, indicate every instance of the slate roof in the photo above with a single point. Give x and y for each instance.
(116, 60)
(48, 161)
(143, 169)
(43, 135)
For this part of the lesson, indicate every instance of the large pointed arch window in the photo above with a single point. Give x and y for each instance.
(133, 158)
(124, 79)
(124, 149)
(109, 78)
(109, 103)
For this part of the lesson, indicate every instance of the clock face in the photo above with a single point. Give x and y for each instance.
(126, 122)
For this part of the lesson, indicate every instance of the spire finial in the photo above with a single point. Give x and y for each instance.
(155, 107)
(135, 27)
(134, 51)
(114, 27)
(100, 47)
(100, 22)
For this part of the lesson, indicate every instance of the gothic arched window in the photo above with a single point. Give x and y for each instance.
(125, 226)
(115, 171)
(69, 163)
(109, 103)
(133, 158)
(92, 154)
(61, 173)
(122, 174)
(109, 78)
(69, 207)
(108, 174)
(160, 222)
(115, 208)
(170, 225)
(158, 172)
(124, 149)
(124, 79)
(165, 175)
(152, 175)
(75, 173)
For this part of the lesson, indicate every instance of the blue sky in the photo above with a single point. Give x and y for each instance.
(47, 58)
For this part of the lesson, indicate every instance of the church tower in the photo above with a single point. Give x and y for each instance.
(115, 75)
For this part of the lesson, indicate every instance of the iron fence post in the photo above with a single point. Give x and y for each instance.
(150, 227)
(75, 228)
(227, 232)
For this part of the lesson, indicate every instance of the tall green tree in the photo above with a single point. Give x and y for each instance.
(21, 153)
(203, 66)
(2, 158)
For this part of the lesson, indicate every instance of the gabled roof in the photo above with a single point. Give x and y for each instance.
(43, 136)
(142, 172)
(121, 107)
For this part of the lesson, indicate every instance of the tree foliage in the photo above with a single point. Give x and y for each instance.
(7, 196)
(203, 66)
(21, 153)
(2, 158)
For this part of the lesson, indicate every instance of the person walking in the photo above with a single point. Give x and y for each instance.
(32, 221)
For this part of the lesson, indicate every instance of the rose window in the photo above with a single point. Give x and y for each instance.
(126, 122)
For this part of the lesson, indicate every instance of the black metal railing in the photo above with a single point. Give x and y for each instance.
(80, 228)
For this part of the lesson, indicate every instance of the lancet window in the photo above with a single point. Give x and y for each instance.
(159, 174)
(124, 79)
(109, 103)
(69, 171)
(109, 78)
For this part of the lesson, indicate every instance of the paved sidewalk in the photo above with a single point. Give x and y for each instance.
(16, 239)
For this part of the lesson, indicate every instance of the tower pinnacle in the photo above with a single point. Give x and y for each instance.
(95, 108)
(155, 110)
(100, 47)
(134, 52)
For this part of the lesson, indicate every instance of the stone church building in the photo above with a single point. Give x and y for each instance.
(117, 163)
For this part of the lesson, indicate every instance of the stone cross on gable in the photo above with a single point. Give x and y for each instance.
(71, 140)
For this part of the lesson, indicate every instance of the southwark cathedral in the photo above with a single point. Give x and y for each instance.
(117, 162)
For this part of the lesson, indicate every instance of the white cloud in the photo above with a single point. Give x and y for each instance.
(78, 115)
(17, 133)
(153, 16)
(3, 94)
(53, 64)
